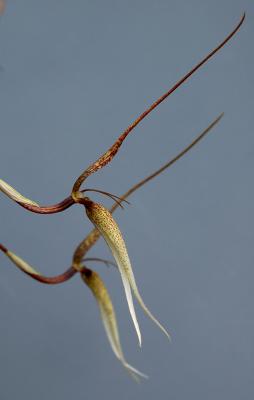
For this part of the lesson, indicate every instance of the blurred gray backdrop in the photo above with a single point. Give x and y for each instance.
(73, 76)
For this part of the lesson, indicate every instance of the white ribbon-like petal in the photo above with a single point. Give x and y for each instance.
(100, 292)
(14, 194)
(104, 222)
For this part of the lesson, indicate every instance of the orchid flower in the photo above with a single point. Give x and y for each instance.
(94, 282)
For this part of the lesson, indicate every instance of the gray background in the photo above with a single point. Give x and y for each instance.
(73, 76)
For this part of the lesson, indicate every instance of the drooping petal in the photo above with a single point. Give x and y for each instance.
(142, 304)
(14, 194)
(111, 233)
(94, 282)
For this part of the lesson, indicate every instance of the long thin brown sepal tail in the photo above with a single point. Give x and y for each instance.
(111, 152)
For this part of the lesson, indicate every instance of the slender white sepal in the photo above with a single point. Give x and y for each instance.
(127, 289)
(108, 317)
(142, 304)
(14, 194)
